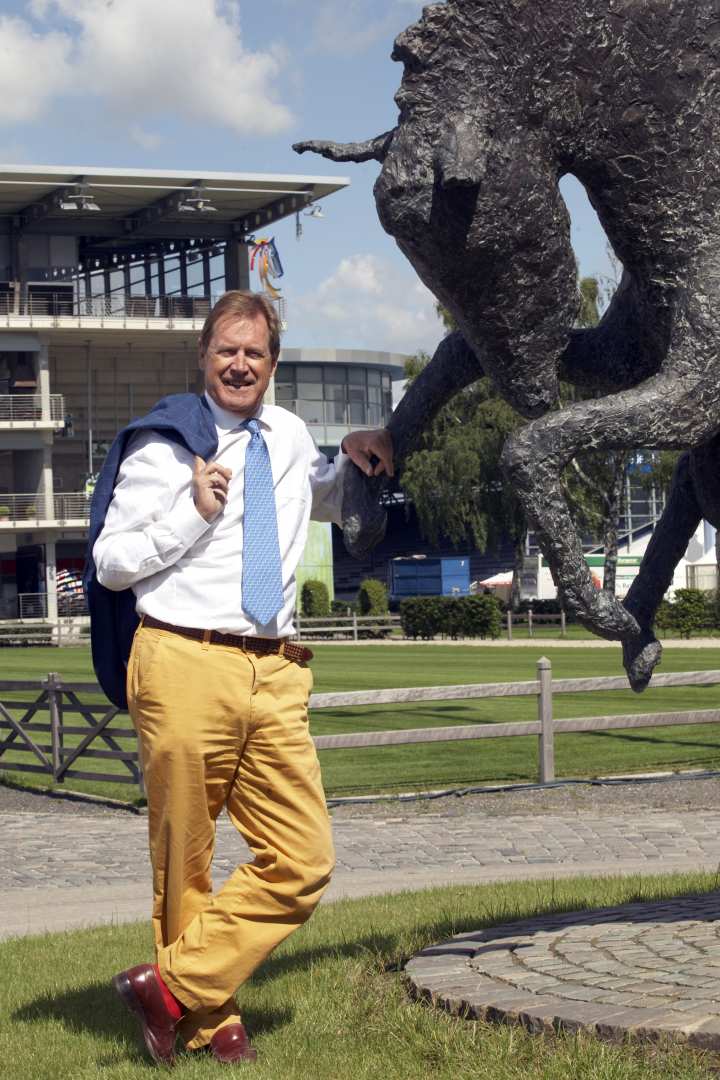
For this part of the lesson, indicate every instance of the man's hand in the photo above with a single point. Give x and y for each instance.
(361, 446)
(210, 487)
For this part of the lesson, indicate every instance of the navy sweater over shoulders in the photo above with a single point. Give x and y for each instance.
(185, 419)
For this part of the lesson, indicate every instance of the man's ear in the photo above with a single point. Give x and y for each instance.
(201, 358)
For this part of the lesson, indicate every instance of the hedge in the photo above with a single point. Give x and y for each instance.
(690, 611)
(314, 599)
(372, 597)
(462, 616)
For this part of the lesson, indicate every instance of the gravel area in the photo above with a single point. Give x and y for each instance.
(29, 801)
(687, 793)
(683, 794)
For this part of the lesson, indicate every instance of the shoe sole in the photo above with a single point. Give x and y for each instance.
(125, 991)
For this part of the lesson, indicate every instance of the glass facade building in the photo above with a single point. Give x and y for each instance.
(337, 390)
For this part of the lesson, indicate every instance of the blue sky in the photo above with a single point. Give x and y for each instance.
(214, 85)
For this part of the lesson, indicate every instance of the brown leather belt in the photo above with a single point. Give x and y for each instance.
(262, 645)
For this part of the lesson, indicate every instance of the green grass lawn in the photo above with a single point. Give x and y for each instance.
(437, 765)
(330, 1004)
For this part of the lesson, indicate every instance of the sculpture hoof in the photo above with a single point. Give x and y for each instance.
(364, 519)
(641, 655)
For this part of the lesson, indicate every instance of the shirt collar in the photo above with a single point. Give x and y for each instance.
(227, 421)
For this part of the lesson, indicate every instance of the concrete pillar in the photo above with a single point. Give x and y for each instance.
(46, 487)
(51, 581)
(43, 378)
(237, 264)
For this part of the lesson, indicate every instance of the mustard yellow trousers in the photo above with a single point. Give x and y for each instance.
(219, 727)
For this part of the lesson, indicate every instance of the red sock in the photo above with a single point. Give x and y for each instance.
(173, 1006)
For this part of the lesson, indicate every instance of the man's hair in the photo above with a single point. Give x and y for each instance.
(243, 305)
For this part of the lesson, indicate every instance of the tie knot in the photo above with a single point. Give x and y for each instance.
(253, 426)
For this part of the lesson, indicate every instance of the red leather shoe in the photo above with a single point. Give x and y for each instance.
(145, 994)
(230, 1044)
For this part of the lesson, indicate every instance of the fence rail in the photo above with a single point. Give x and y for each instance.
(350, 626)
(59, 699)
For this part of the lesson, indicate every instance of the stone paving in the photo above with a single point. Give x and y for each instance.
(75, 850)
(649, 970)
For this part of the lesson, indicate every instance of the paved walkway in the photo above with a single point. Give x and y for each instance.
(66, 870)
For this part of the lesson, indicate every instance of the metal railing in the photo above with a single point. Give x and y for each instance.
(48, 308)
(17, 733)
(72, 506)
(32, 605)
(23, 408)
(20, 509)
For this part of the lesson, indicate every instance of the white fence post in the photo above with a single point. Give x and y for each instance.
(546, 745)
(355, 629)
(509, 624)
(563, 624)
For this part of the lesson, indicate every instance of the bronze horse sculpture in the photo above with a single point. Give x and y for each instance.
(499, 99)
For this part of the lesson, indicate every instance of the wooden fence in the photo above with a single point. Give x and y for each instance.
(46, 716)
(346, 626)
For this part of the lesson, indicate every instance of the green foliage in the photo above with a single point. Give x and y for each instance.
(343, 607)
(373, 597)
(589, 313)
(314, 599)
(691, 611)
(462, 616)
(454, 479)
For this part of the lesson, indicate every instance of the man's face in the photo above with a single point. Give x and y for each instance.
(237, 364)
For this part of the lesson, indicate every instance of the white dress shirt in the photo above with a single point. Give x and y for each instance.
(187, 571)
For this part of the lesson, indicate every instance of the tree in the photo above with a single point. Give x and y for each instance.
(454, 479)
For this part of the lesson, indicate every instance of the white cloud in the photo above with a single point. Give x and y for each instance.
(358, 272)
(33, 67)
(147, 139)
(366, 303)
(179, 58)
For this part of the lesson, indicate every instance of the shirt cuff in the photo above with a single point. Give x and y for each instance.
(340, 461)
(187, 523)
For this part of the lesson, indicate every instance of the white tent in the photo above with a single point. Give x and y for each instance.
(497, 581)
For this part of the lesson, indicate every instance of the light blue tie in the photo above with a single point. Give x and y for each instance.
(262, 589)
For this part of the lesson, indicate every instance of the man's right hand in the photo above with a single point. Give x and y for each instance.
(210, 487)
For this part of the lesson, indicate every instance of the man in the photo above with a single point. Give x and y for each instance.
(217, 692)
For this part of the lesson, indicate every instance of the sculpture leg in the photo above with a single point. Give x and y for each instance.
(453, 367)
(667, 546)
(663, 413)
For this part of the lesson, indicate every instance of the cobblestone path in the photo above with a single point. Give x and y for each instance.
(62, 870)
(648, 970)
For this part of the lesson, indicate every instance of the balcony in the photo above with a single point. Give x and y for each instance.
(24, 412)
(61, 511)
(63, 310)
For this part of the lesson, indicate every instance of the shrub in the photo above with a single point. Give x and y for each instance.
(343, 607)
(463, 616)
(372, 597)
(314, 599)
(690, 612)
